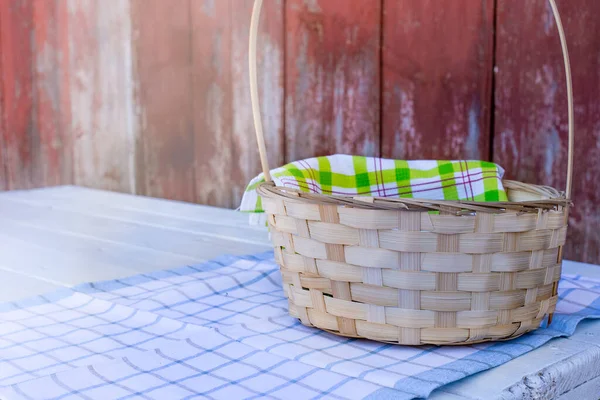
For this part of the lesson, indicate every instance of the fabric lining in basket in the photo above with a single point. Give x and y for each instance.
(347, 175)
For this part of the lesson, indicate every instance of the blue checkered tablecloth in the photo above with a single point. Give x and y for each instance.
(220, 330)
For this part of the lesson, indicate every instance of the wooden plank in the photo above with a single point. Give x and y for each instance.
(104, 124)
(212, 85)
(332, 89)
(51, 139)
(223, 125)
(163, 70)
(437, 77)
(270, 59)
(530, 139)
(16, 286)
(37, 148)
(16, 60)
(496, 380)
(98, 208)
(59, 267)
(176, 242)
(155, 206)
(82, 246)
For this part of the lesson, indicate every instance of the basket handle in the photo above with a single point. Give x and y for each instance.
(256, 107)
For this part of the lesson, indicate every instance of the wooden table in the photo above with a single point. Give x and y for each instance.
(57, 237)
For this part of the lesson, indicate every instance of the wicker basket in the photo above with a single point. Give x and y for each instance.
(389, 270)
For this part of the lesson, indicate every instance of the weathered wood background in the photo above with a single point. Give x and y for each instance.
(152, 96)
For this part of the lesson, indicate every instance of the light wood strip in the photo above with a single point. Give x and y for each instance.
(507, 300)
(421, 242)
(478, 282)
(381, 296)
(368, 219)
(339, 271)
(374, 331)
(287, 224)
(447, 224)
(477, 243)
(446, 262)
(305, 211)
(444, 335)
(513, 222)
(409, 280)
(476, 319)
(371, 257)
(322, 320)
(346, 309)
(333, 233)
(445, 301)
(376, 314)
(310, 248)
(409, 318)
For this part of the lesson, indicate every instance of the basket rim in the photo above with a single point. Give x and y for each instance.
(549, 199)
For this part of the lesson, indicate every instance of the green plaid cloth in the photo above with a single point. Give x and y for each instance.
(378, 177)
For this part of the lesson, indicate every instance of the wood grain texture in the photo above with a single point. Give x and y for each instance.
(37, 149)
(223, 125)
(52, 144)
(16, 60)
(332, 77)
(437, 63)
(531, 107)
(163, 69)
(212, 105)
(103, 121)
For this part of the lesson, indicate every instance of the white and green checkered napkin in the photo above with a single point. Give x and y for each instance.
(379, 177)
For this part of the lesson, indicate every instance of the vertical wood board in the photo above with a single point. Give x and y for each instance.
(211, 88)
(51, 139)
(165, 159)
(436, 66)
(103, 122)
(332, 77)
(531, 107)
(16, 60)
(223, 124)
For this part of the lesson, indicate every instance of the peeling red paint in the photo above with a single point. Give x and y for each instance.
(226, 152)
(16, 59)
(437, 62)
(37, 148)
(212, 107)
(101, 88)
(332, 77)
(531, 108)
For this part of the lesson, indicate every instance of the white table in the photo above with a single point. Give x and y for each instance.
(60, 237)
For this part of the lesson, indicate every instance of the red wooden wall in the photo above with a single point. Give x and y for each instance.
(152, 96)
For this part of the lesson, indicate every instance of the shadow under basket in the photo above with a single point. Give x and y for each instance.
(411, 271)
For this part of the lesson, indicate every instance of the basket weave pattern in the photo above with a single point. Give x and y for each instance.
(412, 277)
(415, 271)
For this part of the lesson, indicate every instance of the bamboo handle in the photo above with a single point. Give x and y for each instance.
(260, 137)
(256, 107)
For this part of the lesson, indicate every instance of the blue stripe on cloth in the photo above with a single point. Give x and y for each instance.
(37, 300)
(495, 355)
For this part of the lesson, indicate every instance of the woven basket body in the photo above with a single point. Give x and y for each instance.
(414, 277)
(413, 271)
